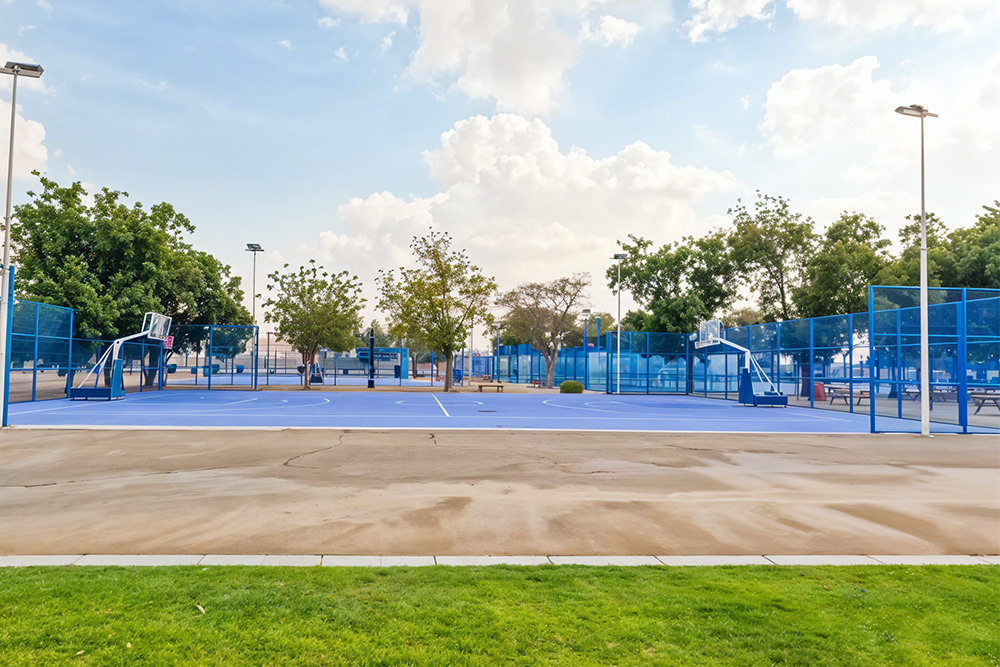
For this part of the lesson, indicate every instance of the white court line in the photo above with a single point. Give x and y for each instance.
(492, 416)
(253, 408)
(574, 407)
(486, 429)
(238, 402)
(450, 404)
(442, 407)
(70, 404)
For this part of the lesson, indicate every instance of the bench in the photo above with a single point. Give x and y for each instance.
(937, 395)
(844, 393)
(491, 385)
(537, 384)
(981, 398)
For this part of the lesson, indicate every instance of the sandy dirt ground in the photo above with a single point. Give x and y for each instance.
(495, 493)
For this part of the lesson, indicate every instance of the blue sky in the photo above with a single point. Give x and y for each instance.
(536, 132)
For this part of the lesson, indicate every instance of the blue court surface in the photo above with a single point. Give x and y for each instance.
(425, 410)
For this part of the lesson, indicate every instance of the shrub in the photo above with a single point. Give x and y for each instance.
(571, 387)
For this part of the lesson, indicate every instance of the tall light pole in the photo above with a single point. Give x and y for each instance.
(254, 248)
(33, 72)
(619, 256)
(918, 111)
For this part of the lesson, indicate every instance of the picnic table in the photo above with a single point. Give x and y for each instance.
(981, 398)
(844, 393)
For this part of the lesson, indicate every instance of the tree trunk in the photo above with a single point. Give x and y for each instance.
(307, 365)
(151, 367)
(449, 361)
(550, 368)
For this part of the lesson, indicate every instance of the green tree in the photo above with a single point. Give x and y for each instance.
(544, 314)
(312, 309)
(740, 317)
(383, 336)
(437, 301)
(850, 256)
(679, 284)
(112, 263)
(771, 246)
(575, 337)
(977, 251)
(905, 268)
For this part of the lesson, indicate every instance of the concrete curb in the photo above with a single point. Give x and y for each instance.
(152, 560)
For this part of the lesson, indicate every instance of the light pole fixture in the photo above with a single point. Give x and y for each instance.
(32, 72)
(619, 256)
(254, 248)
(920, 112)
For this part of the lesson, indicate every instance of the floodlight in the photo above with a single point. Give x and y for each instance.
(23, 69)
(254, 248)
(620, 255)
(916, 111)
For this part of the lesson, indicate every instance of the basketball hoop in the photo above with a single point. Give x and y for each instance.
(709, 333)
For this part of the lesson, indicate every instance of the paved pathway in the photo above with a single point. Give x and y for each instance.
(476, 561)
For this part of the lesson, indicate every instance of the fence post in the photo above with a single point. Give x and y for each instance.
(34, 363)
(69, 358)
(208, 356)
(871, 357)
(963, 360)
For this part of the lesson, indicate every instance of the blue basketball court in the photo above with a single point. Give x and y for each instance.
(426, 410)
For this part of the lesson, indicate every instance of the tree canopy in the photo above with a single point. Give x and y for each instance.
(112, 262)
(437, 301)
(543, 314)
(679, 284)
(312, 308)
(850, 256)
(773, 254)
(771, 246)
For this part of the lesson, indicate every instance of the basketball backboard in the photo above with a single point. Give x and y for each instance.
(156, 325)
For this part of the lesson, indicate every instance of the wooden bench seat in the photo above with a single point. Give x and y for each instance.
(491, 385)
(981, 398)
(844, 393)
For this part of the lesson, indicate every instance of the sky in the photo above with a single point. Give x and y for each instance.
(537, 133)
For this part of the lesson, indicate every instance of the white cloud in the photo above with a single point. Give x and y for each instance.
(8, 54)
(387, 41)
(745, 102)
(326, 22)
(513, 51)
(396, 11)
(837, 124)
(723, 15)
(30, 152)
(159, 86)
(718, 16)
(44, 4)
(22, 29)
(526, 209)
(340, 55)
(613, 30)
(940, 15)
(287, 43)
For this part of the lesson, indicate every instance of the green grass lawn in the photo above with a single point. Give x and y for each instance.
(548, 615)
